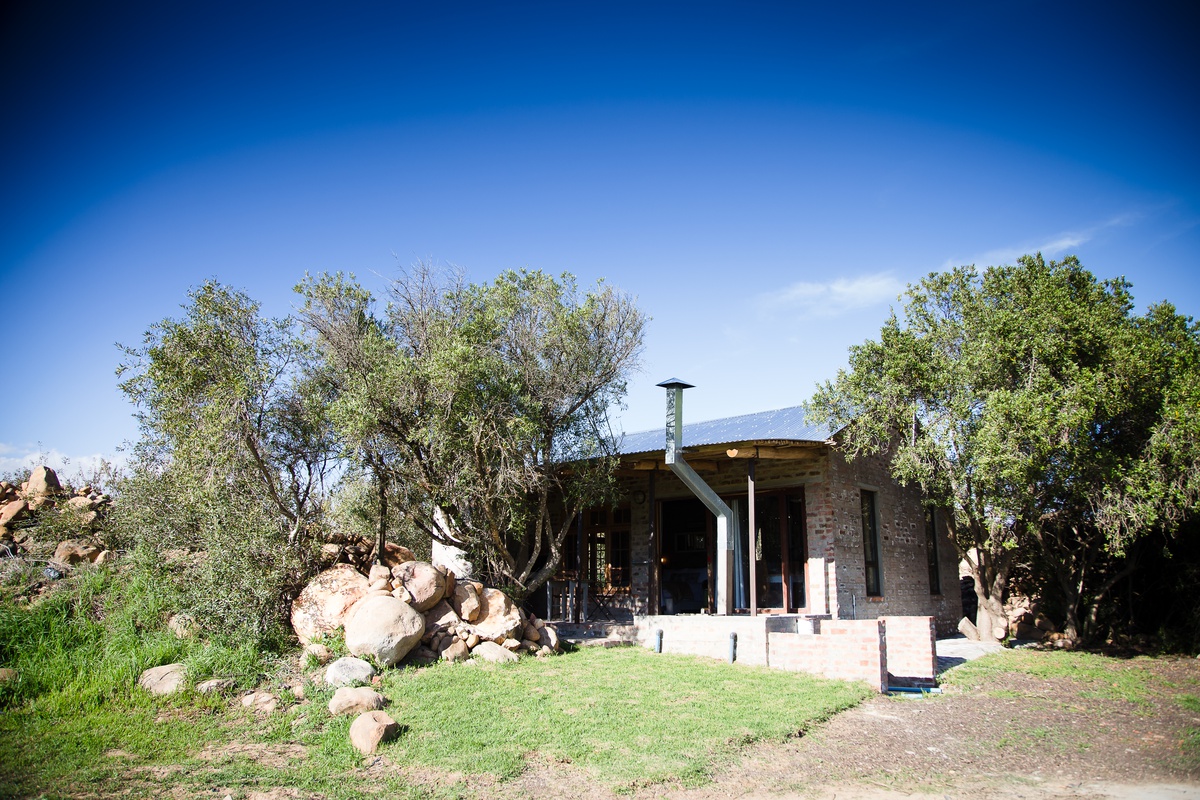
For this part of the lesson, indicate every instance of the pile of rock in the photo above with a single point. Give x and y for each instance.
(42, 492)
(417, 612)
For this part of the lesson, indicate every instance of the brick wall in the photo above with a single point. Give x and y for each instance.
(852, 650)
(911, 651)
(902, 540)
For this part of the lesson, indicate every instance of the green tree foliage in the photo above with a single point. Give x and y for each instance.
(483, 406)
(1058, 425)
(234, 453)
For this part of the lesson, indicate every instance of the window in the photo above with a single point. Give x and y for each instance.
(931, 539)
(871, 556)
(607, 555)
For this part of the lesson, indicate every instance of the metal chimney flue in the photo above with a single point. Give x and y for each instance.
(682, 470)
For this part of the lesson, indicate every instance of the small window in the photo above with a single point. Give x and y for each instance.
(931, 539)
(871, 556)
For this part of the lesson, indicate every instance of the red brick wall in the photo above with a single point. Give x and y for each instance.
(911, 653)
(853, 650)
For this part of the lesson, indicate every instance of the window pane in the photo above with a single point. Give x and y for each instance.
(870, 528)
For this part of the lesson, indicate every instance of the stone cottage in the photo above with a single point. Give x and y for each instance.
(835, 542)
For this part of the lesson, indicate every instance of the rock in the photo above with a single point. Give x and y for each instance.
(322, 606)
(472, 641)
(183, 625)
(355, 700)
(262, 702)
(164, 680)
(498, 619)
(371, 729)
(531, 632)
(421, 656)
(441, 618)
(73, 552)
(423, 581)
(465, 601)
(330, 553)
(7, 675)
(43, 482)
(490, 651)
(379, 573)
(13, 511)
(104, 557)
(215, 685)
(511, 645)
(383, 628)
(394, 555)
(80, 505)
(968, 629)
(348, 670)
(318, 653)
(550, 638)
(457, 650)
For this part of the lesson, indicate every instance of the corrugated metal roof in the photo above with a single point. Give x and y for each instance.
(784, 424)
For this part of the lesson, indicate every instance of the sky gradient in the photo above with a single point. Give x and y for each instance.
(764, 177)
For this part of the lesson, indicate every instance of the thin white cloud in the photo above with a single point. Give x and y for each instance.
(832, 298)
(68, 467)
(1053, 246)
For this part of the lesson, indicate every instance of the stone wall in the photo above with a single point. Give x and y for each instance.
(903, 546)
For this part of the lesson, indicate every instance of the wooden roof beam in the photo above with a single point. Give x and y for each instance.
(762, 451)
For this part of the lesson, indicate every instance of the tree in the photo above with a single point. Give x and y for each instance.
(1021, 399)
(234, 437)
(485, 406)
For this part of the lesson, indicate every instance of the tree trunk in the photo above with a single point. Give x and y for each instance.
(991, 578)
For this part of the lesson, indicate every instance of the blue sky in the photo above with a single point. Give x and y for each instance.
(764, 177)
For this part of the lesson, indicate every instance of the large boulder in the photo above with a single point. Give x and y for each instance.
(499, 618)
(426, 584)
(465, 601)
(383, 628)
(324, 603)
(372, 728)
(43, 482)
(347, 671)
(355, 700)
(164, 680)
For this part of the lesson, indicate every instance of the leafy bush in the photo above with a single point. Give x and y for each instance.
(219, 549)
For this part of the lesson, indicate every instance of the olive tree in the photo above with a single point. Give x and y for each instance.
(234, 453)
(1032, 402)
(484, 406)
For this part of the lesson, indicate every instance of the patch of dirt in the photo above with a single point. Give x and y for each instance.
(1012, 736)
(268, 755)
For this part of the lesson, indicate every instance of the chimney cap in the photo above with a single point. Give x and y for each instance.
(674, 383)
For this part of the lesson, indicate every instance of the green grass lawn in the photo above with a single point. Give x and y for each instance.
(626, 716)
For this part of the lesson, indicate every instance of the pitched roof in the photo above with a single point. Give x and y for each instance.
(781, 425)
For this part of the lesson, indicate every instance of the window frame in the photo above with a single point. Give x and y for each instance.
(933, 551)
(869, 506)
